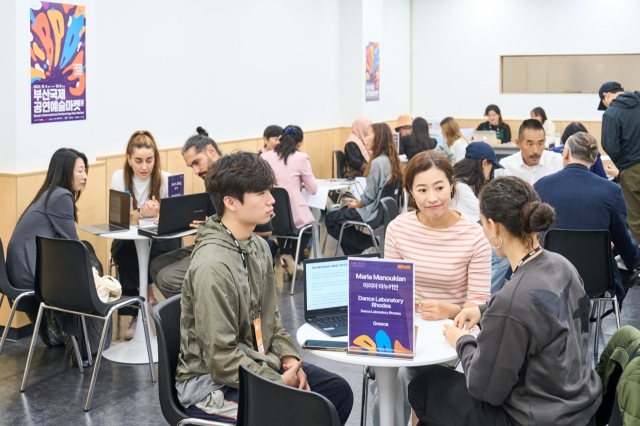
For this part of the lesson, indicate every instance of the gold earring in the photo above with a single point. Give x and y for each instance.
(492, 246)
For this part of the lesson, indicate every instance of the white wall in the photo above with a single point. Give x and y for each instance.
(231, 67)
(7, 88)
(457, 46)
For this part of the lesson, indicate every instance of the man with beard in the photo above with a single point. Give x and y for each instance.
(533, 161)
(167, 271)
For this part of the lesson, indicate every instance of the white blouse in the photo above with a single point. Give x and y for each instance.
(140, 186)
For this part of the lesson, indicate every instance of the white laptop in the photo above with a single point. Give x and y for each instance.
(488, 136)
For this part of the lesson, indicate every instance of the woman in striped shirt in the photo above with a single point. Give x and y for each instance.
(451, 254)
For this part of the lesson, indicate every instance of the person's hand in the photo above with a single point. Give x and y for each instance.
(611, 170)
(467, 314)
(437, 310)
(156, 220)
(290, 376)
(151, 208)
(195, 223)
(302, 376)
(452, 334)
(499, 141)
(352, 204)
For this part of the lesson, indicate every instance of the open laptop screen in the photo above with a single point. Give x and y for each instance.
(119, 205)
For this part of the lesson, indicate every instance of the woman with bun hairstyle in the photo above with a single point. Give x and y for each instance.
(571, 130)
(292, 170)
(494, 122)
(147, 184)
(530, 362)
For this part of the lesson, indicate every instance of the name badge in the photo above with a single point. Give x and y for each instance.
(257, 326)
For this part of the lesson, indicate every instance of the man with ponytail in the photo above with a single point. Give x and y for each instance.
(574, 189)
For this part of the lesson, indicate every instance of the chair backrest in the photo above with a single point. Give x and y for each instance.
(391, 210)
(5, 286)
(282, 222)
(337, 164)
(166, 316)
(393, 190)
(63, 276)
(590, 252)
(266, 403)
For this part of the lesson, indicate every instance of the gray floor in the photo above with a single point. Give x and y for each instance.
(125, 395)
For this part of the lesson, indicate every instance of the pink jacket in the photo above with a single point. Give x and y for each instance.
(291, 177)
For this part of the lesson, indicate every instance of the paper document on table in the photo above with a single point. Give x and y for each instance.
(318, 200)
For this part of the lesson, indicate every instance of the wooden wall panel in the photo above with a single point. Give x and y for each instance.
(228, 147)
(250, 145)
(19, 320)
(312, 144)
(92, 208)
(112, 164)
(8, 208)
(27, 188)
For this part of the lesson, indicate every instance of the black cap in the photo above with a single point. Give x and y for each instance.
(482, 151)
(608, 87)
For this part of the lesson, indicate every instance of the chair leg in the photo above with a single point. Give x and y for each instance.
(5, 333)
(34, 339)
(365, 396)
(295, 262)
(596, 345)
(77, 351)
(86, 339)
(315, 236)
(147, 338)
(373, 238)
(340, 238)
(616, 310)
(96, 366)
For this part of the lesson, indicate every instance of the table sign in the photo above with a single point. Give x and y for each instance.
(381, 307)
(176, 185)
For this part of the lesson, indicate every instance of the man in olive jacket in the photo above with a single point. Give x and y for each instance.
(229, 313)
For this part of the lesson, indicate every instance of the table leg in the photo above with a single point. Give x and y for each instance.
(387, 378)
(143, 248)
(317, 214)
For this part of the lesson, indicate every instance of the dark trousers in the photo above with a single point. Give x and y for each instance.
(439, 396)
(353, 241)
(289, 246)
(629, 180)
(330, 385)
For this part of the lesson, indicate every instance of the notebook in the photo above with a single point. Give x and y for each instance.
(176, 214)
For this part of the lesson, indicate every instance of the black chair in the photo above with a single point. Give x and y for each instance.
(392, 210)
(337, 164)
(590, 252)
(368, 374)
(393, 190)
(64, 282)
(12, 293)
(276, 404)
(166, 316)
(283, 226)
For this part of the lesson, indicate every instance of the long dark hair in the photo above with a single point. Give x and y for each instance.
(419, 139)
(540, 113)
(469, 171)
(495, 109)
(291, 137)
(143, 139)
(60, 173)
(383, 144)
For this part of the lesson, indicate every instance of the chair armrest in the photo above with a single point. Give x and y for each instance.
(199, 422)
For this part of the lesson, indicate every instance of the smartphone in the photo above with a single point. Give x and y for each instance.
(325, 345)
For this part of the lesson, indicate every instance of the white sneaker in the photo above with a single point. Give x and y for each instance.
(289, 266)
(128, 335)
(370, 250)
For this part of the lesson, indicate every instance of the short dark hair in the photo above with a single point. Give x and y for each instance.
(583, 147)
(422, 162)
(571, 130)
(540, 113)
(199, 142)
(514, 204)
(529, 124)
(272, 131)
(235, 175)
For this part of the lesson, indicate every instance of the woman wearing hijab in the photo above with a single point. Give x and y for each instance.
(355, 150)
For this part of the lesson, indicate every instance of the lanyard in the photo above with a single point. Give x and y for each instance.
(524, 259)
(246, 269)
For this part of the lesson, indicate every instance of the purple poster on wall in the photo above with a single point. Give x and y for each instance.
(381, 307)
(58, 67)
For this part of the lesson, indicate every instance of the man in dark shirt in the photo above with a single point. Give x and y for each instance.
(583, 200)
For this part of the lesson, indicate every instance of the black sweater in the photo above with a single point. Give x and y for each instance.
(502, 133)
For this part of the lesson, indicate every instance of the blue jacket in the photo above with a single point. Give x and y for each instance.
(583, 200)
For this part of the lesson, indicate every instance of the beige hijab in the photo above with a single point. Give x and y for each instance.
(359, 130)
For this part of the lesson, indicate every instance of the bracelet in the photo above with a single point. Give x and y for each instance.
(461, 307)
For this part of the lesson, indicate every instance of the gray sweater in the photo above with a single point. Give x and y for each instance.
(532, 355)
(379, 175)
(54, 221)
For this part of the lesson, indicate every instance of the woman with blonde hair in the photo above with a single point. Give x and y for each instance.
(454, 139)
(355, 150)
(385, 167)
(147, 184)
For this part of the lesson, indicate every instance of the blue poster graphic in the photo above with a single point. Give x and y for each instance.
(381, 307)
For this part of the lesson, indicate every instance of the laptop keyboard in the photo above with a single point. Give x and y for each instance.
(332, 321)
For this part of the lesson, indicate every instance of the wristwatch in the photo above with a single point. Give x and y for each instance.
(461, 307)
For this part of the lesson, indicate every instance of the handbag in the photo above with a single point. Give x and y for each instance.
(108, 288)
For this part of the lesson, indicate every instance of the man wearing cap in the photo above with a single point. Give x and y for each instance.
(404, 128)
(621, 141)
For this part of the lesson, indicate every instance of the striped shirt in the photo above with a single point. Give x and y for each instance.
(452, 264)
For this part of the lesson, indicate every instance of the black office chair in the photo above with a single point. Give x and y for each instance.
(283, 226)
(166, 316)
(276, 404)
(393, 190)
(64, 282)
(12, 293)
(590, 252)
(337, 164)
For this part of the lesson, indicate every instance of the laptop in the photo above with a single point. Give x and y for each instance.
(326, 293)
(177, 213)
(488, 136)
(119, 215)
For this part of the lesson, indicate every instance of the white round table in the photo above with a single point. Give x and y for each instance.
(431, 348)
(135, 350)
